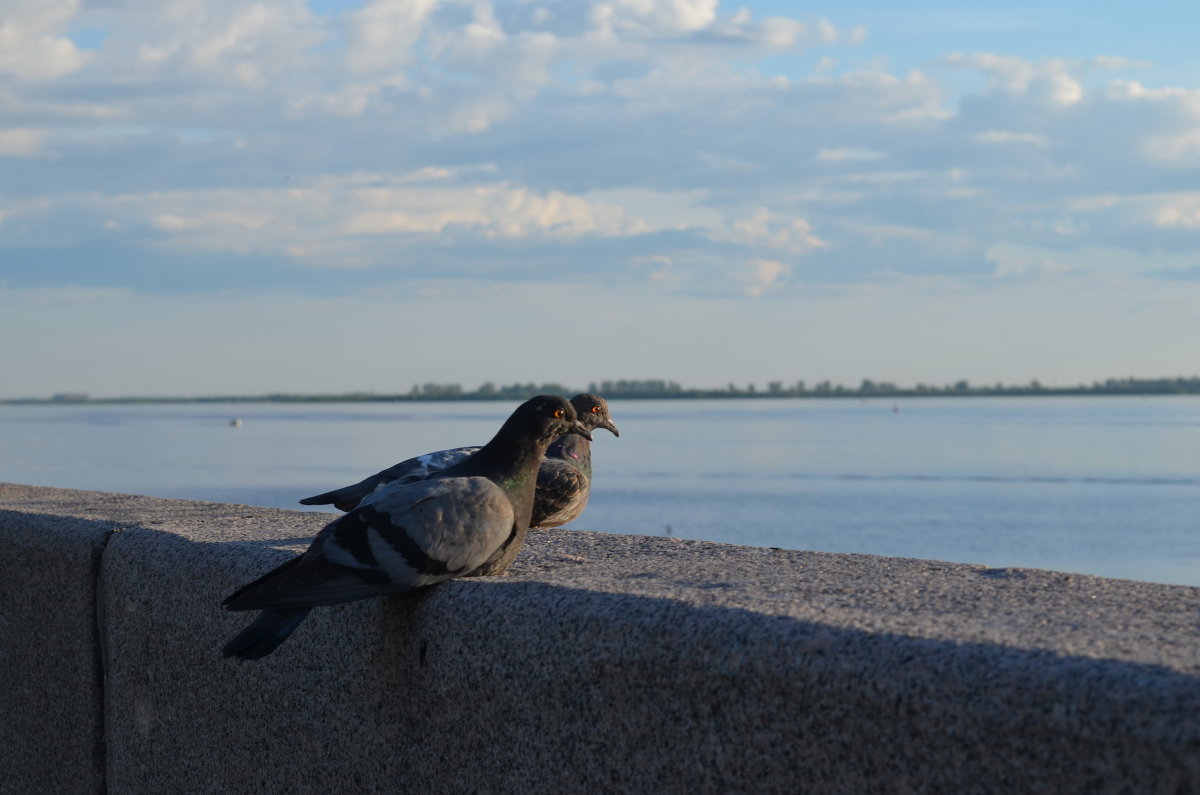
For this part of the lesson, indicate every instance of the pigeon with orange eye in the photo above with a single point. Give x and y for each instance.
(564, 478)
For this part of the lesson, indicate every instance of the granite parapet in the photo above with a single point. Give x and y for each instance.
(632, 663)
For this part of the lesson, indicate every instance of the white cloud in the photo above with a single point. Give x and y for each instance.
(480, 40)
(663, 210)
(1113, 63)
(780, 33)
(1181, 211)
(658, 16)
(1178, 148)
(858, 99)
(761, 275)
(1132, 89)
(1132, 216)
(496, 211)
(241, 40)
(357, 221)
(383, 32)
(1001, 137)
(1049, 82)
(843, 153)
(857, 35)
(765, 228)
(243, 44)
(1011, 264)
(19, 142)
(30, 44)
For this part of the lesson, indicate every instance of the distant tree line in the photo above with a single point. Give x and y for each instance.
(660, 389)
(871, 388)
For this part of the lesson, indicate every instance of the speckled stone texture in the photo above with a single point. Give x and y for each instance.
(635, 664)
(51, 722)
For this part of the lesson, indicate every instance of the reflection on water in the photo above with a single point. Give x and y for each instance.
(1102, 485)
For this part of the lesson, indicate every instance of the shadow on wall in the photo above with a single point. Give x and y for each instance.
(504, 683)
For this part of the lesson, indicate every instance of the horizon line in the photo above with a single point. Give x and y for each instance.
(660, 389)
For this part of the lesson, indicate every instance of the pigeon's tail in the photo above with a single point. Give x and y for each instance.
(343, 499)
(265, 633)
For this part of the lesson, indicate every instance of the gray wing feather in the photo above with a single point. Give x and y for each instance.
(411, 470)
(420, 533)
(401, 537)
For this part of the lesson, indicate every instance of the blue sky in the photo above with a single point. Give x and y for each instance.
(219, 196)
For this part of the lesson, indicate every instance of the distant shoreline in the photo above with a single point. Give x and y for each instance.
(662, 390)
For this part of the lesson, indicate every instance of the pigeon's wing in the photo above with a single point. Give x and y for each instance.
(562, 493)
(421, 533)
(402, 537)
(425, 466)
(411, 470)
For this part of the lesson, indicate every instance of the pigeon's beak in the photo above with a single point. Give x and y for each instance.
(610, 426)
(581, 430)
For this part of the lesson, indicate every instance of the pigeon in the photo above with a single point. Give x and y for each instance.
(564, 479)
(406, 536)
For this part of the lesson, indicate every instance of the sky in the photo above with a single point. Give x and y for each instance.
(215, 197)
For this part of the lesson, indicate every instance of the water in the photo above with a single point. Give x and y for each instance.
(1098, 485)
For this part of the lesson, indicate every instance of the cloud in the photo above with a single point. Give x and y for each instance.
(31, 44)
(1001, 137)
(657, 16)
(1174, 149)
(624, 131)
(844, 153)
(1020, 265)
(1049, 82)
(495, 210)
(22, 143)
(357, 221)
(760, 275)
(767, 229)
(1177, 211)
(383, 32)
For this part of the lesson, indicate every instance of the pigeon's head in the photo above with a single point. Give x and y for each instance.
(593, 413)
(547, 417)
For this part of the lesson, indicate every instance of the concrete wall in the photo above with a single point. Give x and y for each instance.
(603, 663)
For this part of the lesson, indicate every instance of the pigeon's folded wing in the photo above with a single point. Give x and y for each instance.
(402, 537)
(420, 533)
(412, 470)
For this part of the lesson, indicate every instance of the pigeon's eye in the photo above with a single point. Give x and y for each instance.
(558, 414)
(595, 409)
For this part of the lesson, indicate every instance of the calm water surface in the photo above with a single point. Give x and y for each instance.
(1099, 485)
